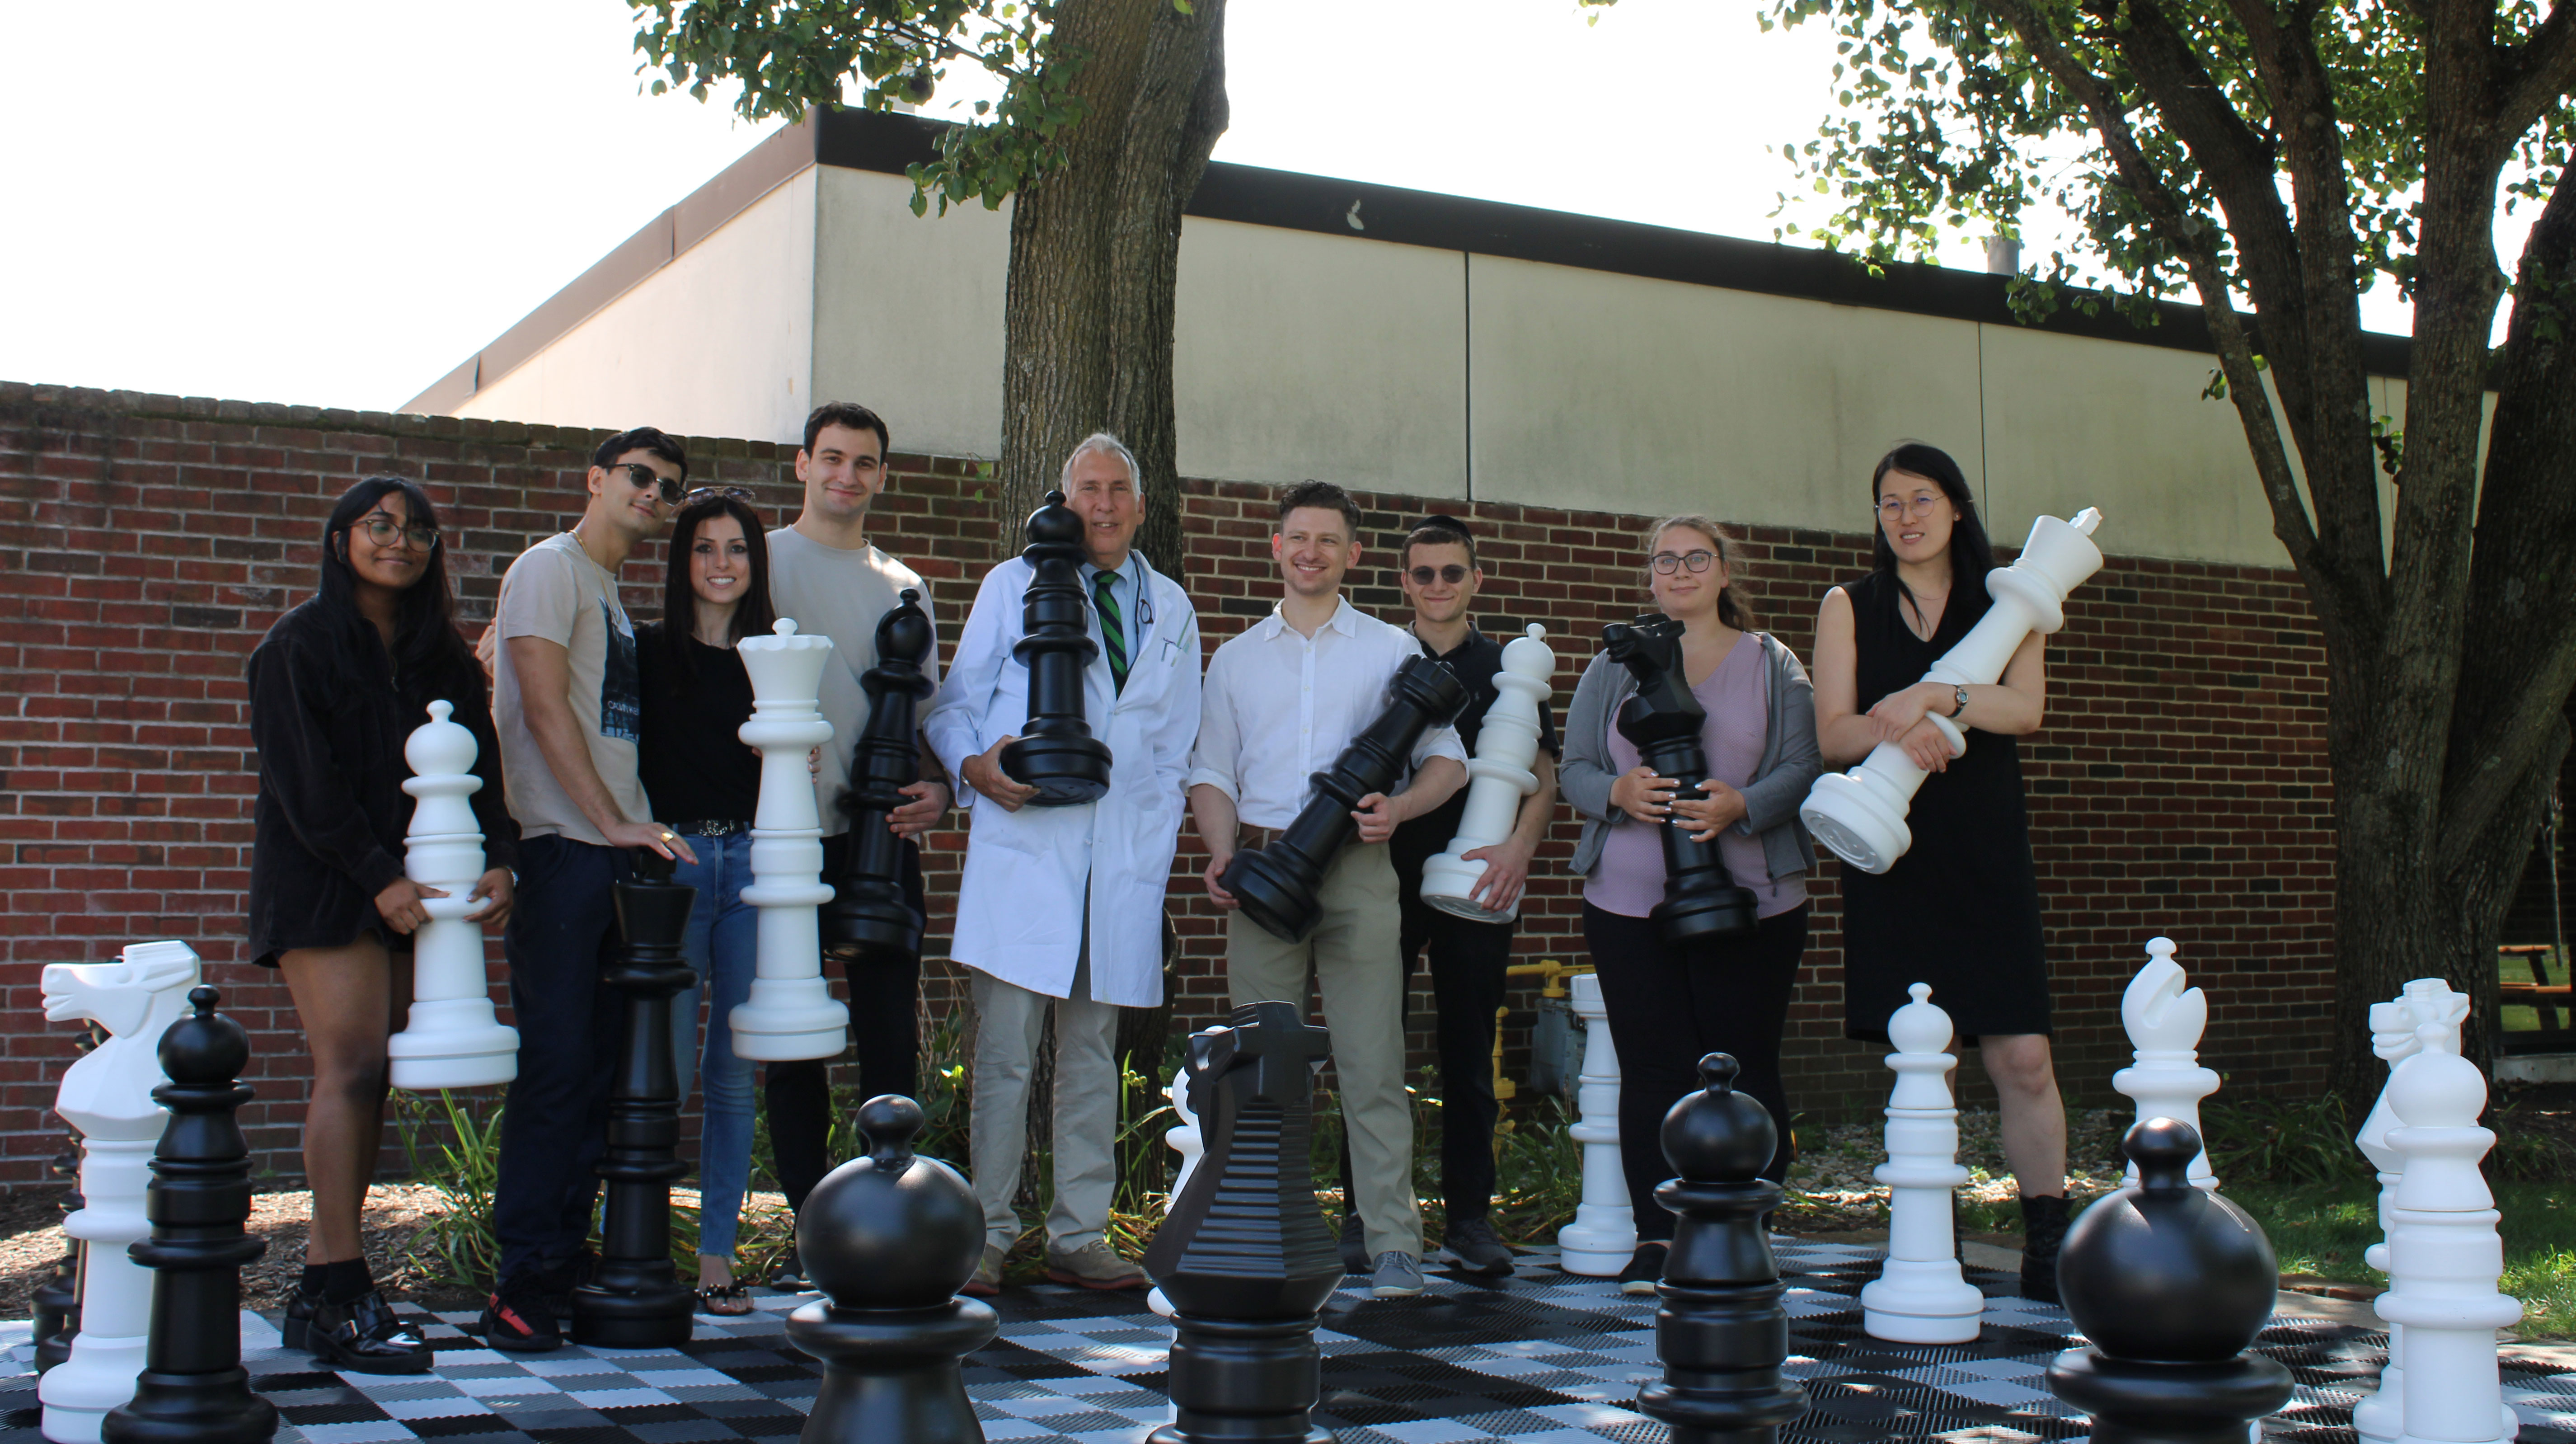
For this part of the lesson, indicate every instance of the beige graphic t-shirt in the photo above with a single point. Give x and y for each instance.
(555, 591)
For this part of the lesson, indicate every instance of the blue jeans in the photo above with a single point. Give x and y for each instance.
(722, 944)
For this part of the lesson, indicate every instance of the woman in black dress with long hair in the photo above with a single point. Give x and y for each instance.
(1960, 910)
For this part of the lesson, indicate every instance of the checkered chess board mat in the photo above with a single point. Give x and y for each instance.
(1541, 1358)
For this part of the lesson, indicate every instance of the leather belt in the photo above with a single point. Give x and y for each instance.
(709, 827)
(1262, 836)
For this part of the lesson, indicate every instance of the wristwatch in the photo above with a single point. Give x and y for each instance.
(1960, 695)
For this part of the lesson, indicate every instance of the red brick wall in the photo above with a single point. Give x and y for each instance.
(146, 543)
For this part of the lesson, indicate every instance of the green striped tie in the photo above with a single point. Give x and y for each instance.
(1113, 628)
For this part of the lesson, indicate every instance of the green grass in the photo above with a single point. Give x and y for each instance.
(2321, 1229)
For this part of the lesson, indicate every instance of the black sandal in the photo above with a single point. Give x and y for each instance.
(709, 1295)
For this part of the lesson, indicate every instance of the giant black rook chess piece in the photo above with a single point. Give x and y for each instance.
(890, 1238)
(1721, 1334)
(193, 1387)
(634, 1299)
(868, 912)
(1277, 884)
(2171, 1284)
(1244, 1255)
(1663, 721)
(56, 1301)
(1056, 753)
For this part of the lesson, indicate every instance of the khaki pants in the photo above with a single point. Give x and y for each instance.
(1009, 1021)
(1352, 953)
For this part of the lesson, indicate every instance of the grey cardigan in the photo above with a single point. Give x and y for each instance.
(1790, 763)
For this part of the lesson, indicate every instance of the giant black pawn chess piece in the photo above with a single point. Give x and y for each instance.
(1244, 1255)
(1721, 1334)
(57, 1299)
(890, 1238)
(193, 1387)
(634, 1299)
(2171, 1284)
(1056, 753)
(1277, 885)
(868, 913)
(1663, 721)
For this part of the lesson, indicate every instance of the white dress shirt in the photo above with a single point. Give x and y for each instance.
(1279, 707)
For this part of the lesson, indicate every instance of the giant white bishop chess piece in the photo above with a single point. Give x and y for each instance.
(1603, 1236)
(1860, 814)
(107, 1095)
(2165, 1020)
(1501, 775)
(790, 1013)
(453, 1039)
(1919, 1296)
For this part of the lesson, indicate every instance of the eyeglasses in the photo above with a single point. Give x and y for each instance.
(645, 478)
(383, 529)
(1892, 508)
(1667, 563)
(1453, 574)
(710, 493)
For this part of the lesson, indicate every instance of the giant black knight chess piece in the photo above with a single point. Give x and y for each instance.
(1663, 720)
(1056, 752)
(1244, 1256)
(1277, 884)
(193, 1389)
(634, 1300)
(868, 912)
(2171, 1284)
(890, 1238)
(1721, 1334)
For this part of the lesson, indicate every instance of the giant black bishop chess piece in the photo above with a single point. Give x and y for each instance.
(2171, 1284)
(868, 913)
(1722, 1334)
(193, 1387)
(634, 1299)
(1277, 885)
(890, 1238)
(1056, 753)
(1663, 721)
(1244, 1255)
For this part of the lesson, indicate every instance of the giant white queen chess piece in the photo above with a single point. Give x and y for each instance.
(107, 1095)
(453, 1039)
(1500, 776)
(1860, 814)
(1920, 1296)
(2164, 1020)
(790, 1013)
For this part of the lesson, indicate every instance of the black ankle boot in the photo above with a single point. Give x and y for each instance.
(2043, 1228)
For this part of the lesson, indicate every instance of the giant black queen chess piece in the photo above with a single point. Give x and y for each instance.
(1663, 721)
(1277, 885)
(869, 914)
(1055, 752)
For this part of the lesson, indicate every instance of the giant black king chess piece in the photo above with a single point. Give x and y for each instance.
(1244, 1255)
(1056, 753)
(635, 1300)
(1277, 884)
(1663, 720)
(868, 913)
(2171, 1284)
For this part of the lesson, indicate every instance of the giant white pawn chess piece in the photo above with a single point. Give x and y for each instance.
(2444, 1255)
(1920, 1297)
(1603, 1236)
(1506, 748)
(1860, 814)
(452, 1040)
(790, 1012)
(107, 1095)
(2165, 1020)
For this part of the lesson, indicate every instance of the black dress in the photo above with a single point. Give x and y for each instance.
(1960, 910)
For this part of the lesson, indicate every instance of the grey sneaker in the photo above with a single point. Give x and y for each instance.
(1398, 1276)
(1095, 1265)
(987, 1281)
(1472, 1247)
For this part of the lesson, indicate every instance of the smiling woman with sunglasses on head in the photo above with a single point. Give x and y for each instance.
(336, 688)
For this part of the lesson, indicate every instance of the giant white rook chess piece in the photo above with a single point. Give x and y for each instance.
(790, 1013)
(107, 1095)
(2443, 1253)
(1603, 1236)
(1506, 746)
(1860, 814)
(2165, 1020)
(1919, 1296)
(452, 1040)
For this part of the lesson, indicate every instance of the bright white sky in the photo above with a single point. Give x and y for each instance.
(335, 203)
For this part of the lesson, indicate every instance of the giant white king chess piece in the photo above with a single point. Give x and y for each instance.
(1506, 748)
(107, 1095)
(453, 1040)
(1919, 1296)
(1603, 1236)
(790, 1013)
(2165, 1020)
(1860, 814)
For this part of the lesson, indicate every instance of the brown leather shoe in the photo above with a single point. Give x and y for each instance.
(1095, 1265)
(988, 1275)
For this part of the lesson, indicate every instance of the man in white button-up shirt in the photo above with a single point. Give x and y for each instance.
(1282, 701)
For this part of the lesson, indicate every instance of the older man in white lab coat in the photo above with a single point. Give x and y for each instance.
(1063, 906)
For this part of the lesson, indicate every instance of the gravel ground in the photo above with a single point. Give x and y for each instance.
(1830, 1187)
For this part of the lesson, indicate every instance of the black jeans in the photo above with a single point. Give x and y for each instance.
(884, 999)
(1668, 1007)
(554, 1123)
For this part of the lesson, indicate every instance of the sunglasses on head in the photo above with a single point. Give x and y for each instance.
(1453, 574)
(645, 478)
(710, 493)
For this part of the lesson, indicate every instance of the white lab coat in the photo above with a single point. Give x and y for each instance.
(1020, 902)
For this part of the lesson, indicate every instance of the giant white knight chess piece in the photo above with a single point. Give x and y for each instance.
(1603, 1236)
(1506, 748)
(790, 1013)
(453, 1039)
(107, 1095)
(2164, 1020)
(1860, 814)
(1920, 1296)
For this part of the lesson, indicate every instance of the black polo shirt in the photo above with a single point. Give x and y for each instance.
(1477, 661)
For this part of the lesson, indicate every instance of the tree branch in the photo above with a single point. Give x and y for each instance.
(2538, 73)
